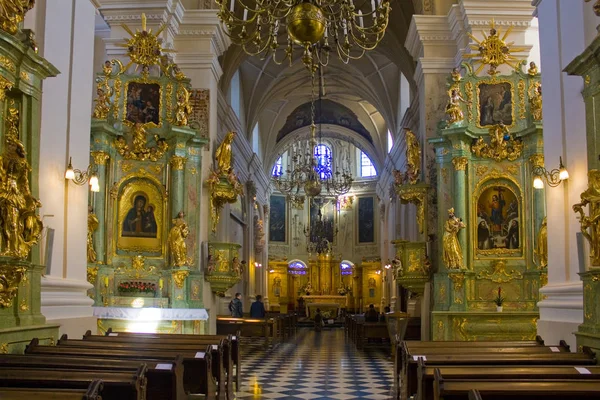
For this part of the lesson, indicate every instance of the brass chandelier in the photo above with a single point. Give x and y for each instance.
(310, 171)
(319, 230)
(317, 26)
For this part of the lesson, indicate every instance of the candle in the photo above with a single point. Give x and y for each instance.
(232, 4)
(326, 32)
(106, 281)
(345, 27)
(160, 283)
(245, 14)
(360, 19)
(374, 8)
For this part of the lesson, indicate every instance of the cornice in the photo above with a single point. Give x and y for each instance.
(427, 29)
(200, 23)
(191, 61)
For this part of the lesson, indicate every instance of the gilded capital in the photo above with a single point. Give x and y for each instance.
(460, 163)
(10, 278)
(100, 157)
(458, 280)
(537, 160)
(179, 277)
(178, 162)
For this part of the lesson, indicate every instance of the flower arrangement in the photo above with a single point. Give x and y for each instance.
(326, 314)
(342, 291)
(137, 287)
(499, 300)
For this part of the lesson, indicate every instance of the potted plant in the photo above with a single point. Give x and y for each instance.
(499, 300)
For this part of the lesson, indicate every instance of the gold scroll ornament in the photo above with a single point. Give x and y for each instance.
(10, 278)
(12, 13)
(502, 145)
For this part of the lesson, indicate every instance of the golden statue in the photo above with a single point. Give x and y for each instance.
(533, 69)
(93, 224)
(502, 145)
(184, 109)
(139, 139)
(452, 252)
(590, 224)
(542, 245)
(177, 244)
(236, 267)
(102, 107)
(535, 100)
(453, 109)
(413, 157)
(12, 13)
(456, 77)
(223, 154)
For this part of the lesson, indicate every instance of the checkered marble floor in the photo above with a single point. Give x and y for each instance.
(315, 365)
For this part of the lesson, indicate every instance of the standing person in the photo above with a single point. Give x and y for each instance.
(318, 320)
(371, 315)
(236, 306)
(257, 309)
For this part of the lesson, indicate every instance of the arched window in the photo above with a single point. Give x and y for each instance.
(277, 168)
(345, 268)
(323, 156)
(367, 169)
(297, 267)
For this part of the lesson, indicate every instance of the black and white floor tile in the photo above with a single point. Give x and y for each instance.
(315, 365)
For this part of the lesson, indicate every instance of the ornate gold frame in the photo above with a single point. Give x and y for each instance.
(128, 187)
(492, 179)
(494, 81)
(144, 80)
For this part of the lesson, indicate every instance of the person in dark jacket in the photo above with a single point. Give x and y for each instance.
(371, 315)
(318, 320)
(236, 306)
(257, 309)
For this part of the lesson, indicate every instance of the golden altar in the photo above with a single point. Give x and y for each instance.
(329, 303)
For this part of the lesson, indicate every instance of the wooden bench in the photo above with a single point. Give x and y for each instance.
(92, 392)
(118, 385)
(165, 379)
(231, 342)
(197, 366)
(495, 372)
(371, 330)
(522, 389)
(263, 328)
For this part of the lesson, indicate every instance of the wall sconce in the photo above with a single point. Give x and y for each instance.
(553, 177)
(378, 271)
(257, 265)
(388, 265)
(81, 177)
(271, 271)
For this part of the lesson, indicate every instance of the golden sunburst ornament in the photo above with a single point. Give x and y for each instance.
(493, 50)
(144, 48)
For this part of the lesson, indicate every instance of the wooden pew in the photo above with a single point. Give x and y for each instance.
(197, 366)
(165, 379)
(474, 395)
(496, 372)
(118, 385)
(522, 389)
(265, 328)
(217, 350)
(230, 340)
(92, 392)
(371, 330)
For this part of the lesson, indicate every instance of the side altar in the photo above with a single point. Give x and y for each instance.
(143, 256)
(492, 256)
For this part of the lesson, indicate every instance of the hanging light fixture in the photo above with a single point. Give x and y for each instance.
(317, 26)
(319, 230)
(311, 170)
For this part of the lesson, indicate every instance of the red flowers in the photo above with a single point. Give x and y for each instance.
(137, 287)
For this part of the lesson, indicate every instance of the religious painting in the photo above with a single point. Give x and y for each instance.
(140, 216)
(366, 220)
(321, 221)
(142, 103)
(495, 104)
(277, 219)
(498, 220)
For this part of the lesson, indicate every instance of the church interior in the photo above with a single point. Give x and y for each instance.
(319, 199)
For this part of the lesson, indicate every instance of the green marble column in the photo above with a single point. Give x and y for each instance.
(99, 204)
(176, 188)
(460, 199)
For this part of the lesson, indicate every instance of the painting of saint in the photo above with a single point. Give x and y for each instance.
(277, 219)
(140, 220)
(495, 104)
(498, 223)
(143, 103)
(366, 220)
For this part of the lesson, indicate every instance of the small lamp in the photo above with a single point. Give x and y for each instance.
(553, 177)
(82, 177)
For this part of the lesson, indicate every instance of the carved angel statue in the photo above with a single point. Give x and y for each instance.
(93, 224)
(236, 266)
(184, 109)
(535, 101)
(542, 245)
(210, 265)
(456, 76)
(590, 224)
(533, 69)
(223, 154)
(397, 270)
(413, 157)
(102, 107)
(452, 255)
(177, 244)
(12, 12)
(453, 109)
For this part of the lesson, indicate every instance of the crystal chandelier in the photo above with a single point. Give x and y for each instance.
(317, 26)
(311, 170)
(320, 231)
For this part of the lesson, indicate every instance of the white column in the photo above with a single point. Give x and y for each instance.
(565, 31)
(65, 31)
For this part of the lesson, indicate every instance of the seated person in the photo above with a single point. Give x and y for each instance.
(382, 317)
(318, 320)
(257, 309)
(371, 315)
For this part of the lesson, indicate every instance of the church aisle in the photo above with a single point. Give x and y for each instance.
(315, 365)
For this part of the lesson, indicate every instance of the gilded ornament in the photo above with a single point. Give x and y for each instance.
(20, 227)
(10, 279)
(23, 307)
(502, 145)
(155, 169)
(8, 64)
(416, 196)
(452, 252)
(535, 101)
(541, 250)
(184, 109)
(460, 163)
(177, 245)
(469, 92)
(499, 274)
(144, 47)
(537, 160)
(177, 163)
(5, 86)
(224, 189)
(126, 166)
(12, 13)
(492, 50)
(533, 69)
(192, 171)
(454, 112)
(117, 89)
(93, 224)
(92, 274)
(169, 96)
(223, 154)
(100, 157)
(590, 224)
(596, 7)
(138, 268)
(481, 170)
(140, 149)
(444, 173)
(297, 202)
(521, 88)
(512, 169)
(413, 157)
(25, 76)
(179, 278)
(4, 348)
(587, 79)
(458, 280)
